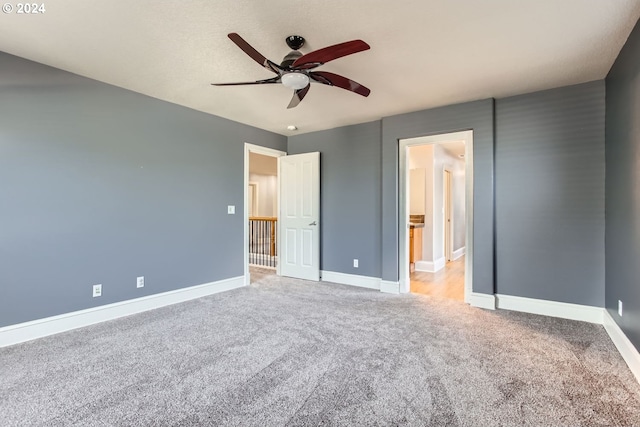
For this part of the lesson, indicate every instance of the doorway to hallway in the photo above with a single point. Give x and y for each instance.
(261, 201)
(436, 215)
(285, 236)
(262, 206)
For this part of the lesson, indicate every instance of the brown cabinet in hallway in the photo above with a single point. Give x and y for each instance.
(415, 244)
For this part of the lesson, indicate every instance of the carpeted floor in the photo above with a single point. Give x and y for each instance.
(284, 352)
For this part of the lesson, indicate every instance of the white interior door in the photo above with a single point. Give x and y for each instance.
(300, 216)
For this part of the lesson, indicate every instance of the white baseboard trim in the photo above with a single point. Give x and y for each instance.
(424, 266)
(563, 310)
(27, 331)
(431, 266)
(389, 287)
(627, 350)
(486, 301)
(351, 279)
(458, 253)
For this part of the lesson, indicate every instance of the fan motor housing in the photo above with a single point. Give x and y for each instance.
(290, 58)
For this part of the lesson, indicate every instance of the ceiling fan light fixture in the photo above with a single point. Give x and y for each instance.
(295, 80)
(295, 70)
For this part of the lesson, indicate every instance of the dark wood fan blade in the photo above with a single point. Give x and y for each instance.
(298, 95)
(329, 53)
(332, 79)
(254, 54)
(258, 82)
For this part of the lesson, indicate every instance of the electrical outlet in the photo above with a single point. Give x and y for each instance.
(355, 263)
(97, 291)
(140, 282)
(619, 308)
(231, 210)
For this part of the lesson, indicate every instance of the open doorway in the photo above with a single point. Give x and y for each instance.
(436, 215)
(261, 198)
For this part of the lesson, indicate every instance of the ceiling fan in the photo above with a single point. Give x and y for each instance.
(295, 70)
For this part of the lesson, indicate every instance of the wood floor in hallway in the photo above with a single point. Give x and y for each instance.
(446, 283)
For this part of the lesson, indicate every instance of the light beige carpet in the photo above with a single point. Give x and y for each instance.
(285, 352)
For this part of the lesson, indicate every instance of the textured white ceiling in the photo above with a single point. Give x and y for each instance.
(424, 53)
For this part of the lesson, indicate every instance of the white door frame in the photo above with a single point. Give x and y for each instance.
(266, 152)
(403, 203)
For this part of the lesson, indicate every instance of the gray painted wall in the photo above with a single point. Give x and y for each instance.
(550, 195)
(550, 224)
(101, 185)
(350, 196)
(351, 179)
(476, 115)
(622, 184)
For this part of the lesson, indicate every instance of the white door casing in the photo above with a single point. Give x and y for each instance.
(300, 216)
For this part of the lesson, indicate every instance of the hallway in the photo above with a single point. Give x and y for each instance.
(446, 283)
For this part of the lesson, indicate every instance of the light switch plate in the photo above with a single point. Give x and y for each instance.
(231, 209)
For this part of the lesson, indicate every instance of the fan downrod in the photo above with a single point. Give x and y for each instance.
(295, 42)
